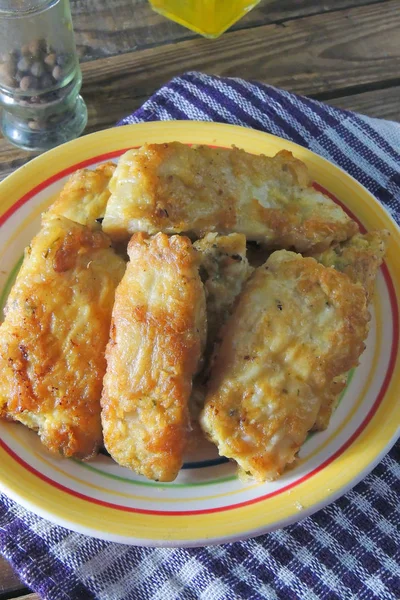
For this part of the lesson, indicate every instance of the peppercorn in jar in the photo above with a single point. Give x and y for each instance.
(40, 76)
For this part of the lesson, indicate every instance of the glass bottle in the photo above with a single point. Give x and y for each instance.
(210, 18)
(40, 78)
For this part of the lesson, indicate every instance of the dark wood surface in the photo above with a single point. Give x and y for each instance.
(10, 585)
(344, 52)
(348, 56)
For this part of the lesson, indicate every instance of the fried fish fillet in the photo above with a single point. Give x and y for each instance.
(84, 197)
(329, 401)
(176, 188)
(54, 335)
(224, 269)
(157, 335)
(360, 258)
(297, 325)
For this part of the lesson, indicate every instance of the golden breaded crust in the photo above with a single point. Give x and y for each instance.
(360, 258)
(54, 335)
(224, 269)
(157, 335)
(296, 326)
(84, 197)
(329, 399)
(175, 188)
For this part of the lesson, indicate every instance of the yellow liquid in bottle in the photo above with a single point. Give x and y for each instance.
(207, 17)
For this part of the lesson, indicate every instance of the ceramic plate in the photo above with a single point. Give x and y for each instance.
(207, 503)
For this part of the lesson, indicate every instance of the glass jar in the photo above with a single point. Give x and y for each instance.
(40, 78)
(210, 18)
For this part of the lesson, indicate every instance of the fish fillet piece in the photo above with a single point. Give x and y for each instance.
(54, 335)
(157, 335)
(329, 401)
(84, 197)
(176, 188)
(297, 325)
(224, 269)
(360, 258)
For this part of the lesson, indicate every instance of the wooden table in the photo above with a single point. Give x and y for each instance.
(344, 52)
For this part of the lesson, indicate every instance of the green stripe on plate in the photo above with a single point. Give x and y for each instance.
(153, 483)
(3, 297)
(10, 282)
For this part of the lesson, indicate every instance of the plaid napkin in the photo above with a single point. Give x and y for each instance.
(350, 549)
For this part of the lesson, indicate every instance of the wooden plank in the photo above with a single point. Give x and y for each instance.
(11, 158)
(28, 597)
(9, 581)
(354, 48)
(276, 11)
(125, 25)
(383, 104)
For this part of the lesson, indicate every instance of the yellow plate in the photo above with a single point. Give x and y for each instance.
(207, 503)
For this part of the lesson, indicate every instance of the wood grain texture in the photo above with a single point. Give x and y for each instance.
(28, 597)
(309, 56)
(333, 57)
(340, 57)
(124, 25)
(9, 581)
(383, 104)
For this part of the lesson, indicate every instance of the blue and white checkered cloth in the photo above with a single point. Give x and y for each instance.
(349, 550)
